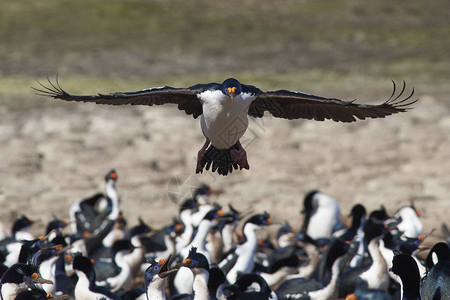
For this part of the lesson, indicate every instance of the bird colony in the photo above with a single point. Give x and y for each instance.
(213, 252)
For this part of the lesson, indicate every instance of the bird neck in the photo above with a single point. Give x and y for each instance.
(156, 289)
(330, 290)
(47, 270)
(84, 282)
(306, 219)
(10, 290)
(227, 237)
(200, 285)
(313, 256)
(135, 257)
(199, 240)
(358, 222)
(169, 241)
(186, 236)
(111, 192)
(250, 234)
(197, 217)
(359, 256)
(376, 276)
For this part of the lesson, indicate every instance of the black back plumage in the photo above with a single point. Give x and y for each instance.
(239, 290)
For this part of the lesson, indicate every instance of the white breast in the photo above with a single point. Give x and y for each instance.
(326, 216)
(411, 226)
(224, 120)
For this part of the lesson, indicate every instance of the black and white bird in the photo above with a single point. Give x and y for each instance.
(322, 216)
(242, 259)
(437, 282)
(224, 109)
(156, 278)
(20, 277)
(404, 266)
(86, 287)
(198, 264)
(240, 289)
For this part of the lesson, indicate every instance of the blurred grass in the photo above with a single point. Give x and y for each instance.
(134, 44)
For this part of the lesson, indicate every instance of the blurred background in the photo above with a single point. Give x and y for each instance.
(53, 153)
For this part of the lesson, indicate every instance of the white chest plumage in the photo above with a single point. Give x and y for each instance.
(224, 120)
(82, 291)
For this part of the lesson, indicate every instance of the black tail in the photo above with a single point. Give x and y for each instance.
(220, 160)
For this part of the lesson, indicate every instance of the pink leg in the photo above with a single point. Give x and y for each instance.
(240, 156)
(201, 154)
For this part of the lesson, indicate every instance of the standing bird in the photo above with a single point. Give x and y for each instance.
(224, 107)
(86, 289)
(20, 277)
(322, 216)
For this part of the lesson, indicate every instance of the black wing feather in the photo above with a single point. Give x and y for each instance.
(294, 105)
(186, 98)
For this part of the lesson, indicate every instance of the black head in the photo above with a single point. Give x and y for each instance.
(22, 223)
(177, 228)
(140, 229)
(231, 87)
(402, 263)
(358, 211)
(260, 219)
(285, 229)
(35, 293)
(195, 260)
(55, 224)
(265, 244)
(374, 227)
(308, 201)
(409, 245)
(213, 214)
(160, 268)
(189, 204)
(30, 248)
(111, 175)
(230, 217)
(83, 264)
(203, 189)
(234, 211)
(122, 245)
(405, 266)
(442, 252)
(17, 272)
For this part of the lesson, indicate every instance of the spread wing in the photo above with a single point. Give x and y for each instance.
(186, 98)
(294, 105)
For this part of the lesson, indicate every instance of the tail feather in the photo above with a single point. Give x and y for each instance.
(219, 160)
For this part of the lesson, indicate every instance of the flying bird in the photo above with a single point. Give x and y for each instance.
(224, 108)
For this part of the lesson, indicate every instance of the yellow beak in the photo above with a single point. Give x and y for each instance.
(231, 91)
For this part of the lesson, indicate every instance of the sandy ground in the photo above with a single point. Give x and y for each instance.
(53, 153)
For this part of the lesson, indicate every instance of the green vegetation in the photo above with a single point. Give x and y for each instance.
(308, 45)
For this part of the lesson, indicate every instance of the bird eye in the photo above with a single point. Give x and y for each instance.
(155, 268)
(193, 261)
